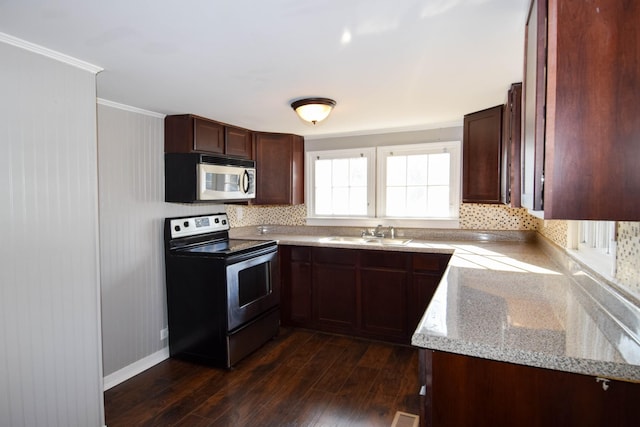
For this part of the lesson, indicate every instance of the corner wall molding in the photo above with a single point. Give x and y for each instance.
(125, 107)
(41, 50)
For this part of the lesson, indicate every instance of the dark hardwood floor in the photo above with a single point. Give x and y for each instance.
(301, 378)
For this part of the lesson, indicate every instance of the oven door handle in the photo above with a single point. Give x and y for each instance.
(245, 181)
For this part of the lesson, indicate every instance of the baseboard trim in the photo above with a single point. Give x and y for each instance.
(135, 368)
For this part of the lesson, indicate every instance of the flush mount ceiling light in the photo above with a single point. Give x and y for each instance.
(313, 110)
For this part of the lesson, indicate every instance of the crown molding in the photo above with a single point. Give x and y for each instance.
(125, 107)
(41, 50)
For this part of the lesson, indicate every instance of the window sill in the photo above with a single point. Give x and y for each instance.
(599, 263)
(396, 222)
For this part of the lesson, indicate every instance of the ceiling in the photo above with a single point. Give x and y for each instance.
(391, 65)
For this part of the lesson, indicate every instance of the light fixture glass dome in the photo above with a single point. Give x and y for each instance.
(313, 110)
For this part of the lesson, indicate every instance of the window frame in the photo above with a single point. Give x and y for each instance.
(375, 189)
(451, 147)
(369, 153)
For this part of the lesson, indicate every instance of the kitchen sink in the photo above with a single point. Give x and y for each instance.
(382, 241)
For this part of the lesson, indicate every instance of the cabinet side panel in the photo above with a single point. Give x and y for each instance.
(533, 104)
(593, 131)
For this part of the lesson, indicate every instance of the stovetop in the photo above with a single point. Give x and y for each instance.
(228, 247)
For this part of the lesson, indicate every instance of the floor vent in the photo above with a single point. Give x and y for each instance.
(402, 419)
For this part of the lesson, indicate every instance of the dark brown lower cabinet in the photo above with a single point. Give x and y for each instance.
(468, 391)
(295, 262)
(384, 289)
(333, 303)
(365, 293)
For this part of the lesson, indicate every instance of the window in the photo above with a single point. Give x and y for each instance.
(594, 243)
(413, 182)
(339, 184)
(419, 181)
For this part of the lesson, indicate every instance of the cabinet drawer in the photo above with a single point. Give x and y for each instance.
(335, 256)
(382, 259)
(300, 254)
(430, 262)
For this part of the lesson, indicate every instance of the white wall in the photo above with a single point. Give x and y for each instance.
(50, 356)
(132, 212)
(392, 138)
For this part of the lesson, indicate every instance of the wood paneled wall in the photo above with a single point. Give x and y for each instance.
(50, 358)
(132, 212)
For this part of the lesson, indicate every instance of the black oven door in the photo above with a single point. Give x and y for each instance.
(253, 287)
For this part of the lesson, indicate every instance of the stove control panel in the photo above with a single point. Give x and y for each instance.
(191, 226)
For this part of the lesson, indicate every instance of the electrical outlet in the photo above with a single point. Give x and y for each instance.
(164, 334)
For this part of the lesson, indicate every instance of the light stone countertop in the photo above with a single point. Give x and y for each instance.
(511, 297)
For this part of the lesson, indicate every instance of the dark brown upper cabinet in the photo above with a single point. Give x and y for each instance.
(581, 110)
(481, 156)
(511, 141)
(238, 142)
(533, 105)
(279, 169)
(188, 133)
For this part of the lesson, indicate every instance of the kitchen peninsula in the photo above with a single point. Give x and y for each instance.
(517, 333)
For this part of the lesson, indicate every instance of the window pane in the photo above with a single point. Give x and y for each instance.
(396, 201)
(341, 201)
(416, 201)
(340, 173)
(323, 173)
(439, 169)
(417, 167)
(358, 172)
(323, 201)
(396, 170)
(438, 201)
(358, 201)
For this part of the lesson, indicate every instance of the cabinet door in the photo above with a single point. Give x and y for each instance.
(533, 104)
(383, 294)
(481, 156)
(423, 286)
(384, 304)
(427, 272)
(300, 290)
(279, 168)
(469, 391)
(511, 141)
(237, 142)
(334, 289)
(208, 136)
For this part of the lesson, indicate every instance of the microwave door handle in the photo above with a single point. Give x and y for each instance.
(245, 182)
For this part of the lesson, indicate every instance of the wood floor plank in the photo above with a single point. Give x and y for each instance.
(160, 377)
(300, 379)
(376, 355)
(335, 376)
(147, 403)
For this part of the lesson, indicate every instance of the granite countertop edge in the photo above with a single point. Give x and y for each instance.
(596, 368)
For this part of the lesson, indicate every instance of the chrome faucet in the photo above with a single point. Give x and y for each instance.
(378, 232)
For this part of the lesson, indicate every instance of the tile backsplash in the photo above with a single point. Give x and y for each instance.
(244, 216)
(495, 217)
(628, 255)
(475, 217)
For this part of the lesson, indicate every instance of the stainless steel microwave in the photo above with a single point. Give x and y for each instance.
(194, 177)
